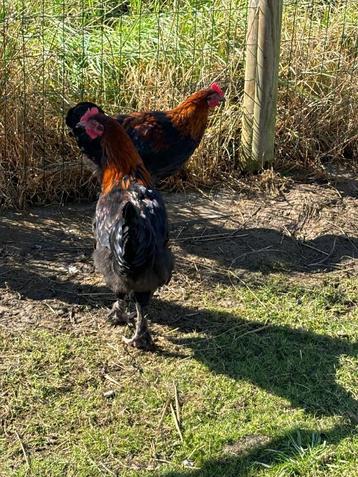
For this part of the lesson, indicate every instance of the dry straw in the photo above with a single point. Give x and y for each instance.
(49, 62)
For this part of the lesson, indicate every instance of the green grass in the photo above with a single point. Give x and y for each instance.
(266, 378)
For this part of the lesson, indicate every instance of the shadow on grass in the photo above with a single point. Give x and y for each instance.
(297, 365)
(266, 250)
(281, 450)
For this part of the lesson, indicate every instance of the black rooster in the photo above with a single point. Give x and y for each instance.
(131, 227)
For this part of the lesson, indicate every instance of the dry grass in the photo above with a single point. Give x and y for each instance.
(45, 71)
(317, 113)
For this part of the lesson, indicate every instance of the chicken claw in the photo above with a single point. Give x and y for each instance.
(118, 315)
(141, 338)
(143, 341)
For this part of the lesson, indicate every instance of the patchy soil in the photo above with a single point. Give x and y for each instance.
(254, 369)
(47, 271)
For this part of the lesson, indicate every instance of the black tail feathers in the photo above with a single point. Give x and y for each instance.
(129, 213)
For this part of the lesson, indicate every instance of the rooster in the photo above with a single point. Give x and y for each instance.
(131, 228)
(165, 140)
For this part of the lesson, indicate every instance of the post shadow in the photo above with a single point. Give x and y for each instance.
(295, 364)
(277, 450)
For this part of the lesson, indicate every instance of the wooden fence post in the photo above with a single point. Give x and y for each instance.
(261, 78)
(250, 80)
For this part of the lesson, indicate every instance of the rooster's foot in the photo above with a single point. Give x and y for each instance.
(143, 341)
(119, 316)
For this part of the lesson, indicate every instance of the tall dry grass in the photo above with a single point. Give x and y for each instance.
(318, 96)
(151, 55)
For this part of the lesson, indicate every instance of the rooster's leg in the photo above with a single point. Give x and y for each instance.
(141, 338)
(118, 314)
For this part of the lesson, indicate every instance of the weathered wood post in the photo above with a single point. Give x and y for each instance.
(261, 79)
(250, 81)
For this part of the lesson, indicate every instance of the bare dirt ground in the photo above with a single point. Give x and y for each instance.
(47, 277)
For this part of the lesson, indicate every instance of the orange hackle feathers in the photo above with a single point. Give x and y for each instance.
(123, 159)
(191, 116)
(123, 163)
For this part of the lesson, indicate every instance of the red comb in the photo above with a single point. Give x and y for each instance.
(217, 89)
(89, 113)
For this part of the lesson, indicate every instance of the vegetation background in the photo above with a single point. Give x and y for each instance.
(132, 54)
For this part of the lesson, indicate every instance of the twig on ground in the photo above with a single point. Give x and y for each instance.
(251, 291)
(176, 422)
(344, 233)
(112, 380)
(164, 411)
(26, 457)
(325, 258)
(209, 237)
(256, 330)
(177, 406)
(50, 308)
(265, 249)
(101, 464)
(313, 248)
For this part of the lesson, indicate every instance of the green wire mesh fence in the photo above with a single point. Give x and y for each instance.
(135, 55)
